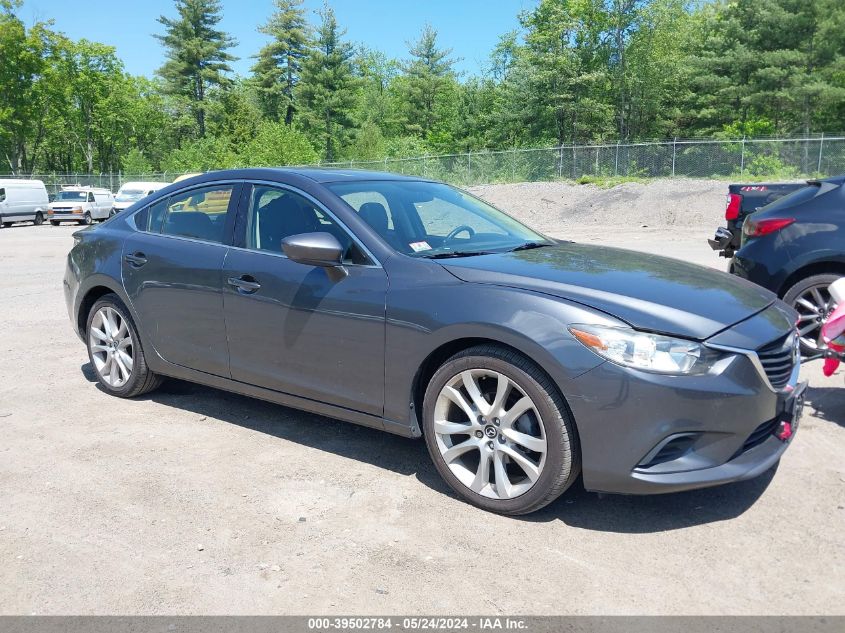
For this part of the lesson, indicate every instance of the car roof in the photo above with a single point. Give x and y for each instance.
(8, 182)
(317, 174)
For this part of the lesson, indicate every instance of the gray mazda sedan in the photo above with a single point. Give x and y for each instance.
(410, 306)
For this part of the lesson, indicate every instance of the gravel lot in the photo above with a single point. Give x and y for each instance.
(192, 500)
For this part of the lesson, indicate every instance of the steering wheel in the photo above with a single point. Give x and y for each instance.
(457, 231)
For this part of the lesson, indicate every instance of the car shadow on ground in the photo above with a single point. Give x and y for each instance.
(828, 403)
(576, 507)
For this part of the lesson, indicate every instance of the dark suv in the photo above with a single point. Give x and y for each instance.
(795, 247)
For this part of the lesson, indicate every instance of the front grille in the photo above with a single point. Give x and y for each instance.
(778, 360)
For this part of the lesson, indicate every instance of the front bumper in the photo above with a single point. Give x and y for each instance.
(65, 216)
(644, 433)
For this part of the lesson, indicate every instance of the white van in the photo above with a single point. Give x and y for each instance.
(83, 205)
(22, 201)
(131, 192)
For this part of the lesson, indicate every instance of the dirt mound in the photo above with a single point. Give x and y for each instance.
(551, 206)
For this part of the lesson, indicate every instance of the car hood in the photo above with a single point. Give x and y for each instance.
(648, 292)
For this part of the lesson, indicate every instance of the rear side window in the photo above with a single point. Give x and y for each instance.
(199, 213)
(2, 194)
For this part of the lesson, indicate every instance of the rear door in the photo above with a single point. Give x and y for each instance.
(296, 328)
(172, 271)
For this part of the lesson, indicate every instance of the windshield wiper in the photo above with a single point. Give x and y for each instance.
(452, 254)
(529, 245)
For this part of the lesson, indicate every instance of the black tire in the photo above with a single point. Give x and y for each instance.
(87, 220)
(141, 379)
(563, 459)
(821, 282)
(39, 219)
(6, 225)
(54, 222)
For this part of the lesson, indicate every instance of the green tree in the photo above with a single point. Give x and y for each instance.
(327, 90)
(196, 54)
(279, 64)
(771, 59)
(426, 74)
(22, 63)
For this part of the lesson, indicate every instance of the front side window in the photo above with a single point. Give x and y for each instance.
(90, 197)
(274, 214)
(429, 219)
(198, 213)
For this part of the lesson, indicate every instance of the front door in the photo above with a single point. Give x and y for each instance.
(172, 271)
(296, 328)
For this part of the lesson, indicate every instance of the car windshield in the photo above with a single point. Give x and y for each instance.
(426, 219)
(129, 195)
(71, 195)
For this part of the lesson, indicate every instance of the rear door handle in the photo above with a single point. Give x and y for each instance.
(136, 259)
(245, 284)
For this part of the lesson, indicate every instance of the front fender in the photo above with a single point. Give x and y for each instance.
(532, 323)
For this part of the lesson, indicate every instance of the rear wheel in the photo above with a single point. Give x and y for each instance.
(499, 432)
(114, 349)
(811, 298)
(39, 219)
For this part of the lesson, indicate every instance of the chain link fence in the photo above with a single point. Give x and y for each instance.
(750, 159)
(742, 158)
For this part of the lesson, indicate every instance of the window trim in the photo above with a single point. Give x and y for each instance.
(231, 212)
(239, 239)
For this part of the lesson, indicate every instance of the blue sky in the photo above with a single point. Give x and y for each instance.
(470, 27)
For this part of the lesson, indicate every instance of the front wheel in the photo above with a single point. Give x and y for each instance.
(86, 220)
(499, 432)
(114, 349)
(54, 222)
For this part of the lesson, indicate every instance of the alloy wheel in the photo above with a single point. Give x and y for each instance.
(490, 434)
(112, 348)
(814, 306)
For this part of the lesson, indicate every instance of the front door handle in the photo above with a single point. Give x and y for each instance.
(245, 284)
(136, 259)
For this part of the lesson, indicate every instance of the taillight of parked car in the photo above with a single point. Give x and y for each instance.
(758, 228)
(734, 203)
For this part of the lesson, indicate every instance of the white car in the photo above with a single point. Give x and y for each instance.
(82, 205)
(22, 201)
(131, 192)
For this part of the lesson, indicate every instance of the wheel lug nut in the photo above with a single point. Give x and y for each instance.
(496, 421)
(501, 439)
(489, 444)
(479, 434)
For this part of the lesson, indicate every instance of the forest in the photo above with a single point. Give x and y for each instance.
(576, 71)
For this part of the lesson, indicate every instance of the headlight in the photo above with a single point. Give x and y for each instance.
(649, 352)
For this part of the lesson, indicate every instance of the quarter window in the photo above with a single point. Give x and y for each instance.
(275, 214)
(151, 219)
(199, 213)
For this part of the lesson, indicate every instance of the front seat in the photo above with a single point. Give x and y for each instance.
(282, 217)
(374, 214)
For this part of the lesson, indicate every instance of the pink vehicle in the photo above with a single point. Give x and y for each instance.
(833, 331)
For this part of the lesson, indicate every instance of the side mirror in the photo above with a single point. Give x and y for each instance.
(314, 249)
